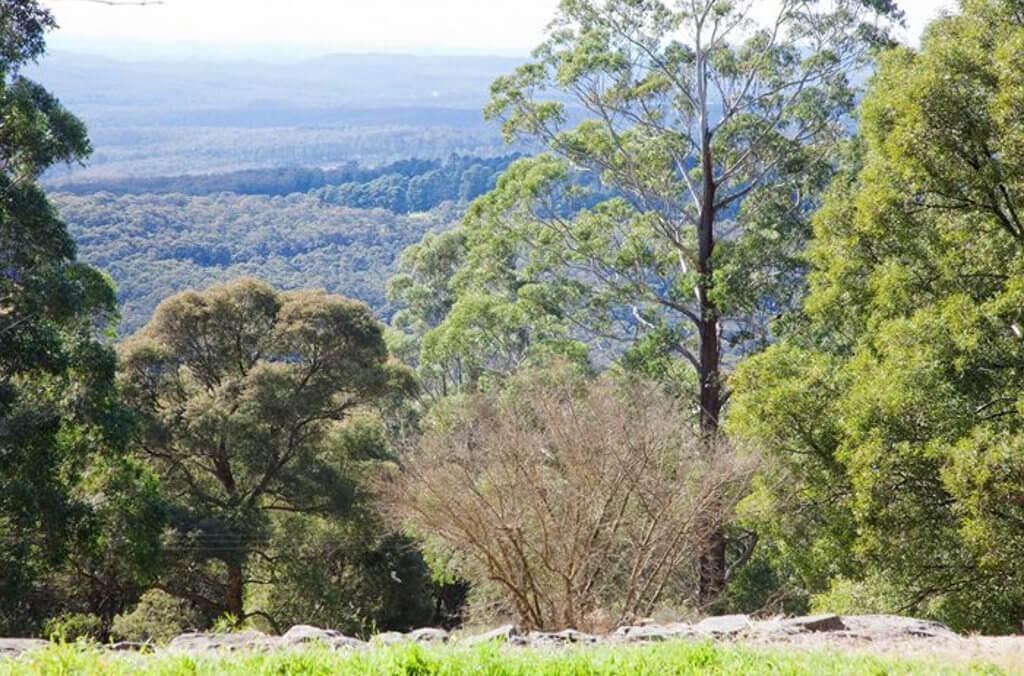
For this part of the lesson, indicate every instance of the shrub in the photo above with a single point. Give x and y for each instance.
(571, 500)
(158, 617)
(871, 596)
(353, 577)
(71, 627)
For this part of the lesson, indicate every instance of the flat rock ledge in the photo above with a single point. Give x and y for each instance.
(861, 628)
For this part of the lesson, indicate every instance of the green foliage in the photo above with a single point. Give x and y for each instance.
(351, 576)
(866, 596)
(158, 617)
(242, 391)
(675, 658)
(896, 410)
(72, 627)
(62, 430)
(156, 245)
(662, 221)
(401, 187)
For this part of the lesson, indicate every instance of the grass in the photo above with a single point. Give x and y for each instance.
(490, 660)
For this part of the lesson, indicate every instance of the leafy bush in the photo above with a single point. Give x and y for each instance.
(873, 595)
(71, 627)
(158, 617)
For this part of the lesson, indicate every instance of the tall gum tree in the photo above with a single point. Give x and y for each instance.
(715, 133)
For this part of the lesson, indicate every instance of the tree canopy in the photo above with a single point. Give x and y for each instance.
(62, 429)
(714, 134)
(896, 410)
(242, 390)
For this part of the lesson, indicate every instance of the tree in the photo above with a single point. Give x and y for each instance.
(242, 390)
(715, 135)
(567, 500)
(895, 412)
(62, 432)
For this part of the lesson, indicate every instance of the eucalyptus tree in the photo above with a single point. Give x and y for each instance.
(897, 412)
(62, 432)
(716, 129)
(242, 391)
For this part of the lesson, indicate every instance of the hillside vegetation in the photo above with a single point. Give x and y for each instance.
(704, 349)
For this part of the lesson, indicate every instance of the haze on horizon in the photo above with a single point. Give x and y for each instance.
(248, 28)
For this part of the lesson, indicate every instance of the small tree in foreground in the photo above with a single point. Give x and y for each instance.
(571, 499)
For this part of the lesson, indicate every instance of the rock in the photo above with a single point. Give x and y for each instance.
(504, 633)
(130, 646)
(13, 647)
(894, 626)
(302, 634)
(201, 642)
(816, 623)
(389, 638)
(723, 626)
(653, 633)
(428, 635)
(540, 639)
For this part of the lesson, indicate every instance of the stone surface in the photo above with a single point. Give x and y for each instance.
(302, 634)
(12, 647)
(202, 642)
(541, 639)
(428, 635)
(894, 626)
(504, 633)
(814, 630)
(724, 626)
(816, 623)
(389, 638)
(652, 633)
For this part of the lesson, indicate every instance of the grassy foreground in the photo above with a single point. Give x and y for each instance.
(413, 660)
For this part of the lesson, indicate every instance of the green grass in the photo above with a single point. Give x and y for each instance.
(412, 660)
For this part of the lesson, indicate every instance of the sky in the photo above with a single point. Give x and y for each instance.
(322, 26)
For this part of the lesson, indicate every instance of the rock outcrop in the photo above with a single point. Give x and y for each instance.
(805, 631)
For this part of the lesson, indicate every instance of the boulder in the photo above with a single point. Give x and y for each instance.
(540, 639)
(652, 633)
(203, 642)
(816, 623)
(302, 634)
(894, 626)
(13, 647)
(428, 635)
(390, 638)
(724, 626)
(504, 633)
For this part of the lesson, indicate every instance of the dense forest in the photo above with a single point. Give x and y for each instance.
(341, 229)
(739, 336)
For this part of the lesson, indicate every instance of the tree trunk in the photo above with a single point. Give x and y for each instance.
(712, 564)
(233, 591)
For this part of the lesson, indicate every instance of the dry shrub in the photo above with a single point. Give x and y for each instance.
(576, 501)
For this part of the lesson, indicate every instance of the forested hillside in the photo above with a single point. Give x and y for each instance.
(155, 245)
(720, 331)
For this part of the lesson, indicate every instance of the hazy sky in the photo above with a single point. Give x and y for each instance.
(338, 25)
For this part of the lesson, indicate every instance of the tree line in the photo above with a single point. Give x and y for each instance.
(749, 362)
(402, 186)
